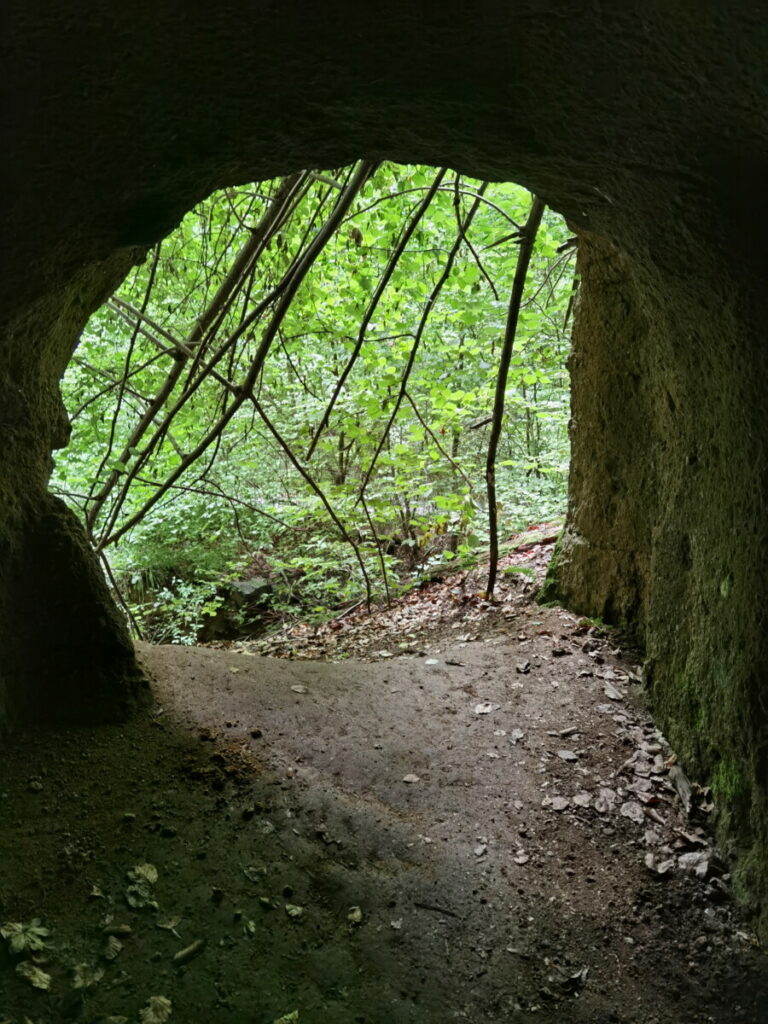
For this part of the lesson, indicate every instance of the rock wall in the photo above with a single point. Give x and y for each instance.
(643, 122)
(665, 531)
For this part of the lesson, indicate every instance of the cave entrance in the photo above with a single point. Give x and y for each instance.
(226, 490)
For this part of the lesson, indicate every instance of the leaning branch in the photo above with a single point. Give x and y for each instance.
(528, 238)
(245, 390)
(394, 259)
(428, 307)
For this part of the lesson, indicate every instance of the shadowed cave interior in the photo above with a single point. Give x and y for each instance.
(643, 126)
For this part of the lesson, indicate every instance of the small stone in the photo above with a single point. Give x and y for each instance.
(631, 809)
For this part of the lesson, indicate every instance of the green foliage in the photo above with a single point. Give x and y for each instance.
(421, 478)
(174, 614)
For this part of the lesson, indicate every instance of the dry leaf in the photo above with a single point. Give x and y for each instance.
(86, 976)
(32, 974)
(143, 873)
(157, 1011)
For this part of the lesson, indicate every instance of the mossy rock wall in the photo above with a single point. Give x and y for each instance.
(666, 532)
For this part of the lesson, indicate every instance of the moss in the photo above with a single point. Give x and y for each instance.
(549, 593)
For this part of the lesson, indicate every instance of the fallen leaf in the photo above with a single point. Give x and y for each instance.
(144, 873)
(168, 924)
(658, 867)
(85, 976)
(605, 800)
(190, 952)
(299, 688)
(698, 862)
(682, 786)
(112, 948)
(24, 936)
(157, 1011)
(139, 896)
(32, 974)
(611, 692)
(574, 982)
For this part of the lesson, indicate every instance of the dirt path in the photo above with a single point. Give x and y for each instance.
(460, 833)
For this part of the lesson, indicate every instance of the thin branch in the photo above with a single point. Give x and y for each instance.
(528, 240)
(126, 366)
(428, 307)
(379, 551)
(305, 474)
(471, 247)
(245, 390)
(436, 441)
(196, 337)
(375, 299)
(113, 583)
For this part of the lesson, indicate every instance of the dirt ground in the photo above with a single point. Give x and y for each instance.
(478, 823)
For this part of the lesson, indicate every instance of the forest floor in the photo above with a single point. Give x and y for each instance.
(474, 820)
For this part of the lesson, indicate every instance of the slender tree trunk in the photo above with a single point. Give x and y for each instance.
(528, 239)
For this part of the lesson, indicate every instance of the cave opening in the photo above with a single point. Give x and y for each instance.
(356, 467)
